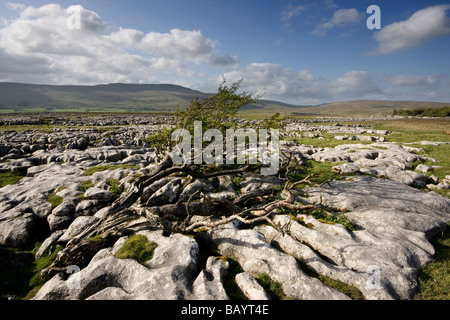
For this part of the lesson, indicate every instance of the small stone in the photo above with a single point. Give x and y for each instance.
(95, 193)
(424, 168)
(250, 287)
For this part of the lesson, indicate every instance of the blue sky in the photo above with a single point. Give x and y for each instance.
(300, 52)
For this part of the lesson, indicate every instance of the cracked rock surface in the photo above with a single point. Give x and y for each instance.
(381, 258)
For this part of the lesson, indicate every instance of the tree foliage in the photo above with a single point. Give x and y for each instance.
(275, 121)
(216, 111)
(424, 112)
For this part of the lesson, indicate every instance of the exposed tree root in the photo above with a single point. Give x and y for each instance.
(128, 212)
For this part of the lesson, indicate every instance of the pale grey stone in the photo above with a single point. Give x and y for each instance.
(256, 256)
(165, 195)
(424, 168)
(66, 208)
(443, 186)
(250, 287)
(168, 276)
(253, 182)
(59, 222)
(346, 168)
(208, 285)
(433, 179)
(407, 177)
(363, 191)
(50, 241)
(397, 222)
(95, 193)
(77, 226)
(197, 186)
(18, 231)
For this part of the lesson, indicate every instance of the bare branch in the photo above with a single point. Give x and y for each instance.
(243, 198)
(187, 209)
(225, 203)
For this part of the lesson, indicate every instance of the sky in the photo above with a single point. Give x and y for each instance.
(298, 52)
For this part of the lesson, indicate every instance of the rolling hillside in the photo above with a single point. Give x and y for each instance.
(370, 107)
(101, 98)
(17, 97)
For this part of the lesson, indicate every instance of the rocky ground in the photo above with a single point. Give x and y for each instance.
(73, 179)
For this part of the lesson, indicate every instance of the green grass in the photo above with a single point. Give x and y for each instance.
(413, 130)
(26, 127)
(8, 178)
(87, 184)
(92, 170)
(101, 242)
(441, 154)
(425, 112)
(272, 287)
(54, 199)
(416, 130)
(137, 247)
(237, 181)
(114, 187)
(434, 279)
(345, 288)
(320, 172)
(328, 141)
(323, 217)
(25, 282)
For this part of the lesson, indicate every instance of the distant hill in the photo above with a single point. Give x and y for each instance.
(369, 107)
(111, 97)
(119, 97)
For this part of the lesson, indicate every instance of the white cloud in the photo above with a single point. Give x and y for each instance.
(303, 87)
(291, 12)
(341, 18)
(412, 80)
(306, 88)
(128, 38)
(422, 26)
(354, 84)
(15, 6)
(329, 4)
(189, 45)
(39, 40)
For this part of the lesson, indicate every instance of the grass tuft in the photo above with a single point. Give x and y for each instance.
(54, 199)
(434, 279)
(92, 170)
(7, 178)
(137, 247)
(23, 283)
(272, 287)
(114, 187)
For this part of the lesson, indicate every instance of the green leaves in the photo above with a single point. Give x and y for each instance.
(216, 111)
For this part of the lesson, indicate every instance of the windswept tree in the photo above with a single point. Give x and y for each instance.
(217, 111)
